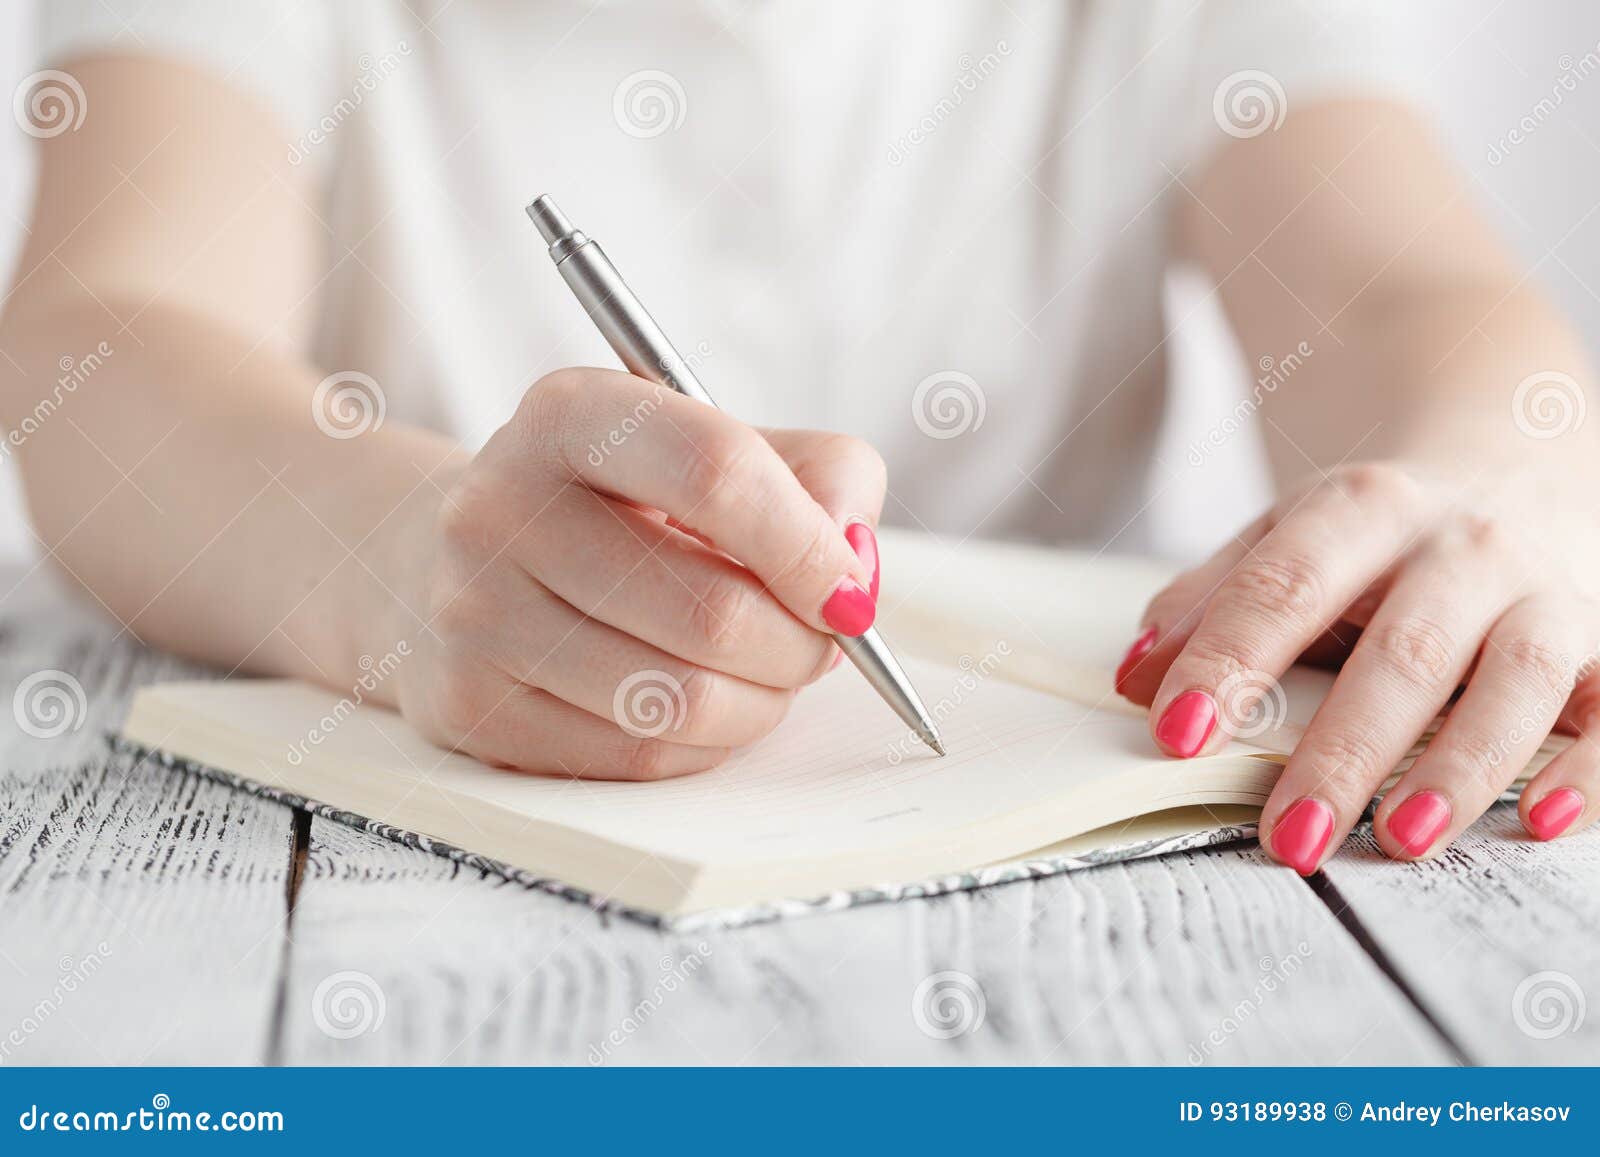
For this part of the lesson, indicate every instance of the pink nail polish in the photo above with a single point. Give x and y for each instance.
(1186, 724)
(861, 539)
(1555, 812)
(849, 610)
(1142, 646)
(1417, 822)
(1302, 833)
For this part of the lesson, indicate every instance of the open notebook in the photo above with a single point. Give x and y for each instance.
(1011, 647)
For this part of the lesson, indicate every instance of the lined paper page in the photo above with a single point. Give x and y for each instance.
(839, 774)
(1069, 616)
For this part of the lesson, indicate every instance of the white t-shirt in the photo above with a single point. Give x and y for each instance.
(938, 226)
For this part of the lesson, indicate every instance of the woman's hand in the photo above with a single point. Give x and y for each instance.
(1428, 584)
(583, 612)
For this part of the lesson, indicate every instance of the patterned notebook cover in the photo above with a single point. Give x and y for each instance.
(1005, 873)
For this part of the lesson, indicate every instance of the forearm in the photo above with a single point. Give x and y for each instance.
(179, 476)
(1428, 372)
(1380, 313)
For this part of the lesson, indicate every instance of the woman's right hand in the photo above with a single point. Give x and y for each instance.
(627, 584)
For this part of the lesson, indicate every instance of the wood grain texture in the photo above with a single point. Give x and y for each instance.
(1499, 939)
(141, 912)
(67, 673)
(164, 901)
(1209, 958)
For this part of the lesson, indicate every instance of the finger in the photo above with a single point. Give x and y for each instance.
(1558, 800)
(1581, 715)
(509, 724)
(537, 639)
(1403, 670)
(1277, 601)
(847, 478)
(624, 568)
(713, 474)
(1174, 612)
(1140, 674)
(1523, 678)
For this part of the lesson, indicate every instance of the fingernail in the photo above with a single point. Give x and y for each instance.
(1186, 724)
(1555, 812)
(1142, 646)
(1418, 822)
(849, 610)
(1302, 834)
(861, 539)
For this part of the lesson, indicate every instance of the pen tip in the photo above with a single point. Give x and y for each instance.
(933, 742)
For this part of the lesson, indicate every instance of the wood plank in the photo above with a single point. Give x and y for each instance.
(1499, 939)
(1204, 958)
(66, 673)
(1194, 958)
(141, 912)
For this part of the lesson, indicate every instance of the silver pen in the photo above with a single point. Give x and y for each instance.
(630, 330)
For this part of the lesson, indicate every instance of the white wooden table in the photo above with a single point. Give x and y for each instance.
(201, 925)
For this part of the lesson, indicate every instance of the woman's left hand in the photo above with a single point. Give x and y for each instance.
(1427, 584)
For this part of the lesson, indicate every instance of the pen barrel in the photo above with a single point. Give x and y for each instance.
(644, 349)
(625, 323)
(877, 664)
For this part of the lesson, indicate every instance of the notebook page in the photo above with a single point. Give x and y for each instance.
(839, 774)
(842, 774)
(1070, 616)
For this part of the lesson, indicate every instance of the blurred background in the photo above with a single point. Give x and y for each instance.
(1514, 87)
